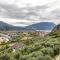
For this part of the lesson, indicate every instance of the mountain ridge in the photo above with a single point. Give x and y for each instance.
(42, 26)
(33, 27)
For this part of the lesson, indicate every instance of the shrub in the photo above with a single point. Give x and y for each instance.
(44, 58)
(48, 51)
(17, 56)
(5, 57)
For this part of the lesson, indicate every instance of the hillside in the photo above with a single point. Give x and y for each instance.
(7, 27)
(56, 31)
(42, 26)
(57, 27)
(30, 45)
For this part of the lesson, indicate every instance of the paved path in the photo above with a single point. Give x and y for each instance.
(58, 57)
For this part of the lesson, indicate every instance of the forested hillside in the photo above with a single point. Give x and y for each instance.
(32, 47)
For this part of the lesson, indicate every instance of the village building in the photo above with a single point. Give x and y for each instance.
(17, 46)
(3, 39)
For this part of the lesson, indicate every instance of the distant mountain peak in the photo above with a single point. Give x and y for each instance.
(42, 26)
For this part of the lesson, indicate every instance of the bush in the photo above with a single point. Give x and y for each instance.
(17, 56)
(37, 53)
(48, 51)
(44, 58)
(5, 57)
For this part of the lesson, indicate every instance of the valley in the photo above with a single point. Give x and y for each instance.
(29, 29)
(32, 45)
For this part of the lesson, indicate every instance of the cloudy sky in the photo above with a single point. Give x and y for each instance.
(27, 12)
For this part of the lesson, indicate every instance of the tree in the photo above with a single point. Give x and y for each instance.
(5, 57)
(17, 56)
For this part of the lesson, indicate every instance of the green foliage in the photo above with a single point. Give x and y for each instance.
(9, 50)
(36, 48)
(4, 57)
(17, 56)
(48, 51)
(44, 58)
(4, 47)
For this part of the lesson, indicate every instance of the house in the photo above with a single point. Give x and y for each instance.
(3, 39)
(4, 35)
(17, 46)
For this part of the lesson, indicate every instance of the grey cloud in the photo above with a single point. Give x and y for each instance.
(12, 11)
(56, 13)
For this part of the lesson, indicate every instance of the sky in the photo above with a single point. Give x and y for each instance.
(27, 12)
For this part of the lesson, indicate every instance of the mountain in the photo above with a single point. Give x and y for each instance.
(56, 28)
(55, 33)
(7, 27)
(38, 26)
(42, 26)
